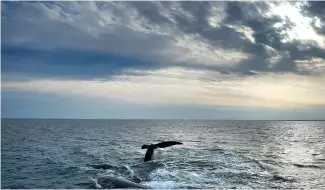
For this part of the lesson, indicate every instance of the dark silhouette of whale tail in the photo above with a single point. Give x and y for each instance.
(145, 146)
(162, 144)
(152, 147)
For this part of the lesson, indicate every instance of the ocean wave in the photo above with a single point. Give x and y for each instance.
(103, 166)
(95, 183)
(308, 166)
(282, 178)
(162, 184)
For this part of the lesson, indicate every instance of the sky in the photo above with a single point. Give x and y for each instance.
(163, 60)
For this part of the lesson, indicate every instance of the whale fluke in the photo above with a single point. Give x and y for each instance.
(167, 143)
(152, 147)
(145, 146)
(162, 144)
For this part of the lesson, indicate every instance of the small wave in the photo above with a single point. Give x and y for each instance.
(91, 154)
(162, 184)
(103, 166)
(264, 166)
(143, 170)
(175, 178)
(14, 186)
(132, 174)
(217, 149)
(162, 174)
(95, 182)
(52, 160)
(201, 163)
(195, 141)
(67, 171)
(214, 150)
(86, 168)
(151, 165)
(129, 169)
(220, 142)
(282, 178)
(307, 166)
(235, 175)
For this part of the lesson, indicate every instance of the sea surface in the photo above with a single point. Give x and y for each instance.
(54, 153)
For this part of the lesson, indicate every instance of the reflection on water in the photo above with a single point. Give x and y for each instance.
(215, 154)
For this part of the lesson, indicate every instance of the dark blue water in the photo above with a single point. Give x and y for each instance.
(215, 154)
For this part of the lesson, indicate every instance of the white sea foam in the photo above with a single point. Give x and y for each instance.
(95, 181)
(162, 184)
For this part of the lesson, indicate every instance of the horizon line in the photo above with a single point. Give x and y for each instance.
(30, 118)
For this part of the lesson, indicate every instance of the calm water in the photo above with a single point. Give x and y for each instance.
(215, 154)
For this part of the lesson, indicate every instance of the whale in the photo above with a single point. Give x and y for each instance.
(150, 148)
(110, 182)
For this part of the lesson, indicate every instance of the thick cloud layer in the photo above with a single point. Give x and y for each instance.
(316, 10)
(205, 53)
(66, 39)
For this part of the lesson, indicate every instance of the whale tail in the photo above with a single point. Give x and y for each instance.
(162, 144)
(145, 146)
(167, 143)
(152, 147)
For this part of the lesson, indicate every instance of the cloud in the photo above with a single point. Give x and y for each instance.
(248, 54)
(96, 27)
(225, 36)
(68, 63)
(316, 10)
(192, 87)
(271, 30)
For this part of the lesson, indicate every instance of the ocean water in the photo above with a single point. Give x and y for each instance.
(51, 153)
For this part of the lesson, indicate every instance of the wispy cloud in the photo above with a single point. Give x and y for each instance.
(178, 86)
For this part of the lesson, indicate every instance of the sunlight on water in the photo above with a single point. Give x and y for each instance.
(214, 154)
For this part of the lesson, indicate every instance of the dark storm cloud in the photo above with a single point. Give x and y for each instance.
(238, 14)
(52, 48)
(266, 34)
(304, 51)
(76, 54)
(316, 9)
(223, 37)
(68, 63)
(253, 16)
(193, 19)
